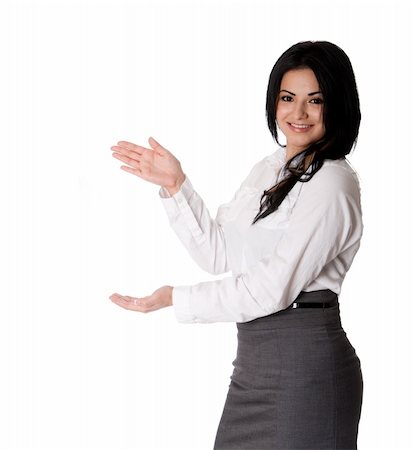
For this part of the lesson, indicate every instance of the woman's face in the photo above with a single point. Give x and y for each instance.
(300, 103)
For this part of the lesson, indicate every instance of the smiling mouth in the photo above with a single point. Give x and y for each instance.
(299, 126)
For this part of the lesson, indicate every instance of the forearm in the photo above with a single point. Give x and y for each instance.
(201, 235)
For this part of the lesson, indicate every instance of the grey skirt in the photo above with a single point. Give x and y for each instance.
(296, 384)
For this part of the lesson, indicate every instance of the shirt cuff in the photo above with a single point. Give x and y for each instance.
(180, 204)
(186, 189)
(181, 304)
(180, 198)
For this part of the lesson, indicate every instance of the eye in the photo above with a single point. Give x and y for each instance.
(318, 100)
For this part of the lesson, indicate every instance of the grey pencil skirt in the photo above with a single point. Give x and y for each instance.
(296, 384)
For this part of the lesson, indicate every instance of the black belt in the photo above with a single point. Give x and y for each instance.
(327, 294)
(312, 305)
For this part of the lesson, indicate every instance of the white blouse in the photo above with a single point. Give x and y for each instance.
(308, 244)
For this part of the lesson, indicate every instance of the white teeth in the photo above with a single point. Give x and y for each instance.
(300, 126)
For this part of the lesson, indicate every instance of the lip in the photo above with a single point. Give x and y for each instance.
(299, 130)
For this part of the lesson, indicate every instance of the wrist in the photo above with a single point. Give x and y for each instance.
(170, 296)
(177, 186)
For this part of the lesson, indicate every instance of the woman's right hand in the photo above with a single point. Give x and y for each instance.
(156, 165)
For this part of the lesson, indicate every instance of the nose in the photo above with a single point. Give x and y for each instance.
(300, 111)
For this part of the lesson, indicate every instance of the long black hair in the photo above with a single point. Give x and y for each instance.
(341, 114)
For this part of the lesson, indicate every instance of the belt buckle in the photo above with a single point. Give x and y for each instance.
(295, 305)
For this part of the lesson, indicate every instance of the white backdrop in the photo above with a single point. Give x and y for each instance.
(79, 372)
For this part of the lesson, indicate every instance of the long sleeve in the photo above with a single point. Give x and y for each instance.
(325, 223)
(202, 236)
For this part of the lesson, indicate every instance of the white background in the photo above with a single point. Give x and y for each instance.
(79, 372)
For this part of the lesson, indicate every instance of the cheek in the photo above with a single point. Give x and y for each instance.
(318, 119)
(321, 127)
(282, 110)
(320, 115)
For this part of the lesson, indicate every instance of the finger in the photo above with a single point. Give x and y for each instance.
(133, 303)
(132, 147)
(125, 152)
(144, 304)
(156, 146)
(136, 172)
(153, 142)
(136, 169)
(120, 298)
(131, 161)
(121, 301)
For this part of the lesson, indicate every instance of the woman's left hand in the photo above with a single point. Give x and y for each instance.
(160, 298)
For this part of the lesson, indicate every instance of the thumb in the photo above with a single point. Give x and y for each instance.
(156, 145)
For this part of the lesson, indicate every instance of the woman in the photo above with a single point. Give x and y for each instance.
(289, 236)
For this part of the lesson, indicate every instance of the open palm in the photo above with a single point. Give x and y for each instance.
(156, 165)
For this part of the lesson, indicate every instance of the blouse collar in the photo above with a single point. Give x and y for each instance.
(279, 157)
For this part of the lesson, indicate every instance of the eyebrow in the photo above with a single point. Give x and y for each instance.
(292, 93)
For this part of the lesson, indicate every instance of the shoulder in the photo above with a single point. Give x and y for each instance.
(335, 177)
(333, 189)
